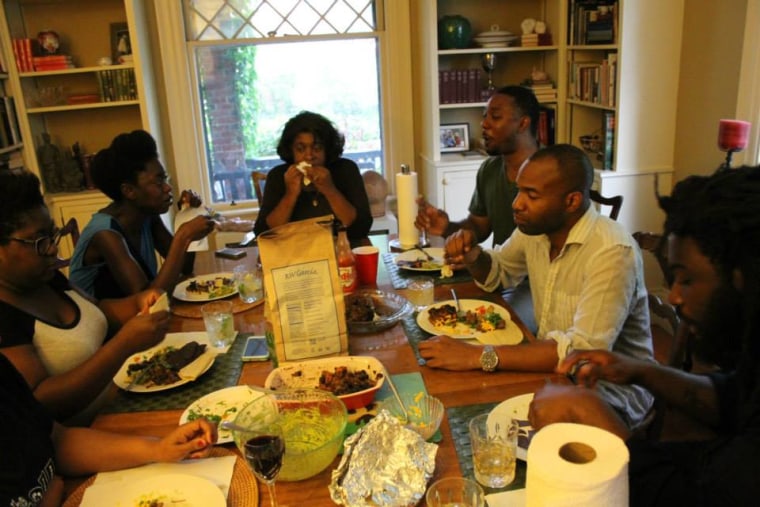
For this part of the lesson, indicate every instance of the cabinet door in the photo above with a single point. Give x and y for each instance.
(79, 207)
(458, 187)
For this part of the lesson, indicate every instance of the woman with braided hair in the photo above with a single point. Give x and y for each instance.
(712, 228)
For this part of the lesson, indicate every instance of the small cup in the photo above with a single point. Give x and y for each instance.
(366, 264)
(494, 448)
(249, 283)
(219, 322)
(420, 291)
(455, 491)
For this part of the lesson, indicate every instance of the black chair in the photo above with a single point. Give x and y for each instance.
(615, 202)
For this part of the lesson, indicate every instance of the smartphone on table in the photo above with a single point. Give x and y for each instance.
(256, 349)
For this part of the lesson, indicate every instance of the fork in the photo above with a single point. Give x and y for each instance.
(427, 255)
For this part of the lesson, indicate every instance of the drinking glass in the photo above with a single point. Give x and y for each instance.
(249, 283)
(420, 291)
(263, 447)
(219, 322)
(455, 491)
(494, 448)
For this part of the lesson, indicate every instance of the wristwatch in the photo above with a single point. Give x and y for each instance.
(489, 360)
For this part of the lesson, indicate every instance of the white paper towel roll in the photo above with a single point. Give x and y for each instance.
(576, 465)
(406, 200)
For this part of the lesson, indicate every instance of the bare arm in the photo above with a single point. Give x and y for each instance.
(283, 210)
(81, 451)
(177, 260)
(437, 222)
(451, 354)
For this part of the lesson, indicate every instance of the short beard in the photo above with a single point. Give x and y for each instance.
(721, 328)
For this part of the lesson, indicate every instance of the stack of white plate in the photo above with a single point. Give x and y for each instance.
(495, 39)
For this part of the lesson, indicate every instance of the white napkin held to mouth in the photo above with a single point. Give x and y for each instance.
(302, 167)
(186, 214)
(217, 470)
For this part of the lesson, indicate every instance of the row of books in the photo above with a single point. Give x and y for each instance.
(593, 22)
(117, 84)
(459, 86)
(547, 127)
(10, 135)
(23, 52)
(52, 62)
(535, 39)
(594, 81)
(608, 140)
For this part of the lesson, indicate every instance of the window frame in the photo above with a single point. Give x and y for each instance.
(185, 156)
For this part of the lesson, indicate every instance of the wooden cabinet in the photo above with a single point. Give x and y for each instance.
(78, 205)
(55, 103)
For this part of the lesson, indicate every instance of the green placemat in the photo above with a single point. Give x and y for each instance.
(415, 335)
(400, 277)
(225, 372)
(459, 417)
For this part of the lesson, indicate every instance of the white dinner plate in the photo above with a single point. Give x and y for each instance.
(181, 293)
(123, 380)
(510, 335)
(413, 255)
(219, 406)
(516, 408)
(180, 490)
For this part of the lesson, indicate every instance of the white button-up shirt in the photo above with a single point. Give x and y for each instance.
(591, 296)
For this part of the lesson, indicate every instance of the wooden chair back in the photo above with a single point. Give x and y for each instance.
(615, 202)
(259, 178)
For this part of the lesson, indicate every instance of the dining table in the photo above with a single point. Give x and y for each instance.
(393, 347)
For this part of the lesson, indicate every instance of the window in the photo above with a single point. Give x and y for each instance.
(254, 64)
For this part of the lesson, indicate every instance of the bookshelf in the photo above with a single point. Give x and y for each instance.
(76, 97)
(11, 142)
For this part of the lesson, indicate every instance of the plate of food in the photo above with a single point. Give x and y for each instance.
(206, 288)
(180, 490)
(414, 260)
(219, 406)
(516, 408)
(484, 321)
(172, 363)
(369, 310)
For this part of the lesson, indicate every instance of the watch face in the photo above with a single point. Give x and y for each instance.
(488, 359)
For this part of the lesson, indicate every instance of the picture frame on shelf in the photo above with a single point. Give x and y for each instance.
(454, 137)
(121, 43)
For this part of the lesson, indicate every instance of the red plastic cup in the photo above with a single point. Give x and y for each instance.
(733, 135)
(366, 264)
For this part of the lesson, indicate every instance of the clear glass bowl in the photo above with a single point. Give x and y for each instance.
(313, 423)
(389, 309)
(424, 412)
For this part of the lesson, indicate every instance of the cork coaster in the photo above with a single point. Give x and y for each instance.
(193, 310)
(244, 491)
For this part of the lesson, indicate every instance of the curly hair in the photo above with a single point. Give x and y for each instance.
(721, 214)
(121, 162)
(526, 103)
(323, 130)
(19, 194)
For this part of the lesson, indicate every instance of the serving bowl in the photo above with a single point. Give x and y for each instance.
(306, 374)
(313, 424)
(389, 309)
(423, 412)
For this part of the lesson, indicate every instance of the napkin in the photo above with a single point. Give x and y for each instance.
(193, 370)
(216, 470)
(185, 215)
(511, 498)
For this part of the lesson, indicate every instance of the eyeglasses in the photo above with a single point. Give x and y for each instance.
(43, 243)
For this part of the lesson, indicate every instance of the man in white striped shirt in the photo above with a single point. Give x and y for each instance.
(586, 273)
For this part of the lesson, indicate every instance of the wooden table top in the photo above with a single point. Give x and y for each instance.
(391, 347)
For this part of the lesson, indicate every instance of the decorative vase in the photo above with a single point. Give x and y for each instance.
(454, 32)
(49, 42)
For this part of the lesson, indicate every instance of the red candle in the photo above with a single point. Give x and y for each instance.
(733, 135)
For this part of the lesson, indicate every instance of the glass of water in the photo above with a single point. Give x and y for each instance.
(219, 322)
(420, 291)
(249, 283)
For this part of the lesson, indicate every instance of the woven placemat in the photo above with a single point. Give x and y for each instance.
(244, 491)
(459, 418)
(415, 335)
(225, 372)
(193, 310)
(400, 277)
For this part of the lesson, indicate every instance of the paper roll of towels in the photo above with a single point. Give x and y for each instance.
(576, 465)
(406, 201)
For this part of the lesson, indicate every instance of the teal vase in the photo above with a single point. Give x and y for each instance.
(454, 32)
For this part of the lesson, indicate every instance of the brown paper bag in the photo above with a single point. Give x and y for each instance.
(304, 305)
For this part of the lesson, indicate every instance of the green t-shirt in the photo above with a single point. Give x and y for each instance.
(493, 198)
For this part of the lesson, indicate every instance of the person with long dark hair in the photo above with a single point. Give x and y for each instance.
(315, 179)
(712, 228)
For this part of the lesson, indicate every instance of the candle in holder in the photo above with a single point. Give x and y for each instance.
(733, 135)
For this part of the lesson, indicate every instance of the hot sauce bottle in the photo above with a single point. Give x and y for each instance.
(346, 262)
